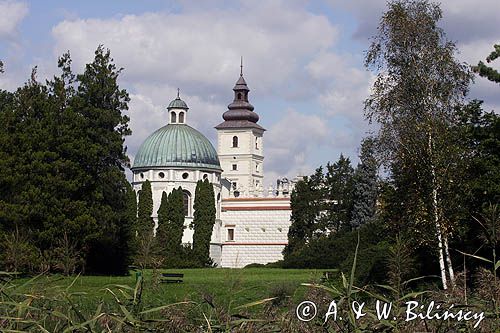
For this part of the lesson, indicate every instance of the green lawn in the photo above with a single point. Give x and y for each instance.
(223, 286)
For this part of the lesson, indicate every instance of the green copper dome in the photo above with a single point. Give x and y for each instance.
(177, 145)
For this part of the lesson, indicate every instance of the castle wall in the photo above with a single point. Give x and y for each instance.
(260, 230)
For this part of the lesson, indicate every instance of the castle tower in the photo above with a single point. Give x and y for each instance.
(240, 144)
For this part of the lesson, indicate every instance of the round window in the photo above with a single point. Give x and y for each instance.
(185, 175)
(161, 175)
(205, 176)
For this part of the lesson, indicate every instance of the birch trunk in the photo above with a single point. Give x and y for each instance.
(441, 258)
(435, 214)
(448, 261)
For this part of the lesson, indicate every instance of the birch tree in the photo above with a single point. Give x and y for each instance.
(418, 87)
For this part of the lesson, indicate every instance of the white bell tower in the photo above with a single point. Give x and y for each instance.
(240, 145)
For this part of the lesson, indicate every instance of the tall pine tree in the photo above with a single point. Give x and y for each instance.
(145, 223)
(163, 232)
(171, 226)
(338, 195)
(203, 221)
(306, 202)
(365, 185)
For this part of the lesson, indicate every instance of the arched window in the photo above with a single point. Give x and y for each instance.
(235, 141)
(239, 95)
(173, 118)
(256, 143)
(181, 118)
(186, 202)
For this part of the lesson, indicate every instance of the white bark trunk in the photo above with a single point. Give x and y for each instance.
(435, 214)
(448, 261)
(441, 258)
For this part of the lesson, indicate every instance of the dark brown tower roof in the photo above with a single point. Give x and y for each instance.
(240, 113)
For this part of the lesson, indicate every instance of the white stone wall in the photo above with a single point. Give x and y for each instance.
(260, 231)
(237, 256)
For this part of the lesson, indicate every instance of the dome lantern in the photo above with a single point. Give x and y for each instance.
(177, 110)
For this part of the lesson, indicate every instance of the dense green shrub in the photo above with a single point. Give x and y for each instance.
(336, 251)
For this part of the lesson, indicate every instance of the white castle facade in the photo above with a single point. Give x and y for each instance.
(251, 222)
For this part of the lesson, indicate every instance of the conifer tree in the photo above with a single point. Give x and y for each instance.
(486, 71)
(62, 144)
(365, 185)
(338, 195)
(203, 221)
(145, 223)
(162, 232)
(129, 228)
(173, 229)
(306, 203)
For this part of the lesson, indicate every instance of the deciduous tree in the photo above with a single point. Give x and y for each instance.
(418, 89)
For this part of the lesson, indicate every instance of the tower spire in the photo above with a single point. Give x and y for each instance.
(178, 93)
(241, 66)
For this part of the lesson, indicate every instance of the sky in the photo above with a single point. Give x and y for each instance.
(303, 62)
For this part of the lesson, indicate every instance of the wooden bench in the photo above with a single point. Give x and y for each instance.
(172, 277)
(329, 275)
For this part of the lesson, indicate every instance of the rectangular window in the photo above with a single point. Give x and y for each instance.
(235, 185)
(235, 166)
(230, 235)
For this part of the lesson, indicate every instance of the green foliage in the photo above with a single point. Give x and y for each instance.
(163, 221)
(203, 221)
(365, 185)
(486, 71)
(171, 228)
(62, 162)
(305, 203)
(320, 204)
(130, 230)
(338, 198)
(18, 254)
(145, 209)
(479, 132)
(335, 251)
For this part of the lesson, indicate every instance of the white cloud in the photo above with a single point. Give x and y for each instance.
(463, 20)
(12, 13)
(290, 142)
(201, 49)
(347, 84)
